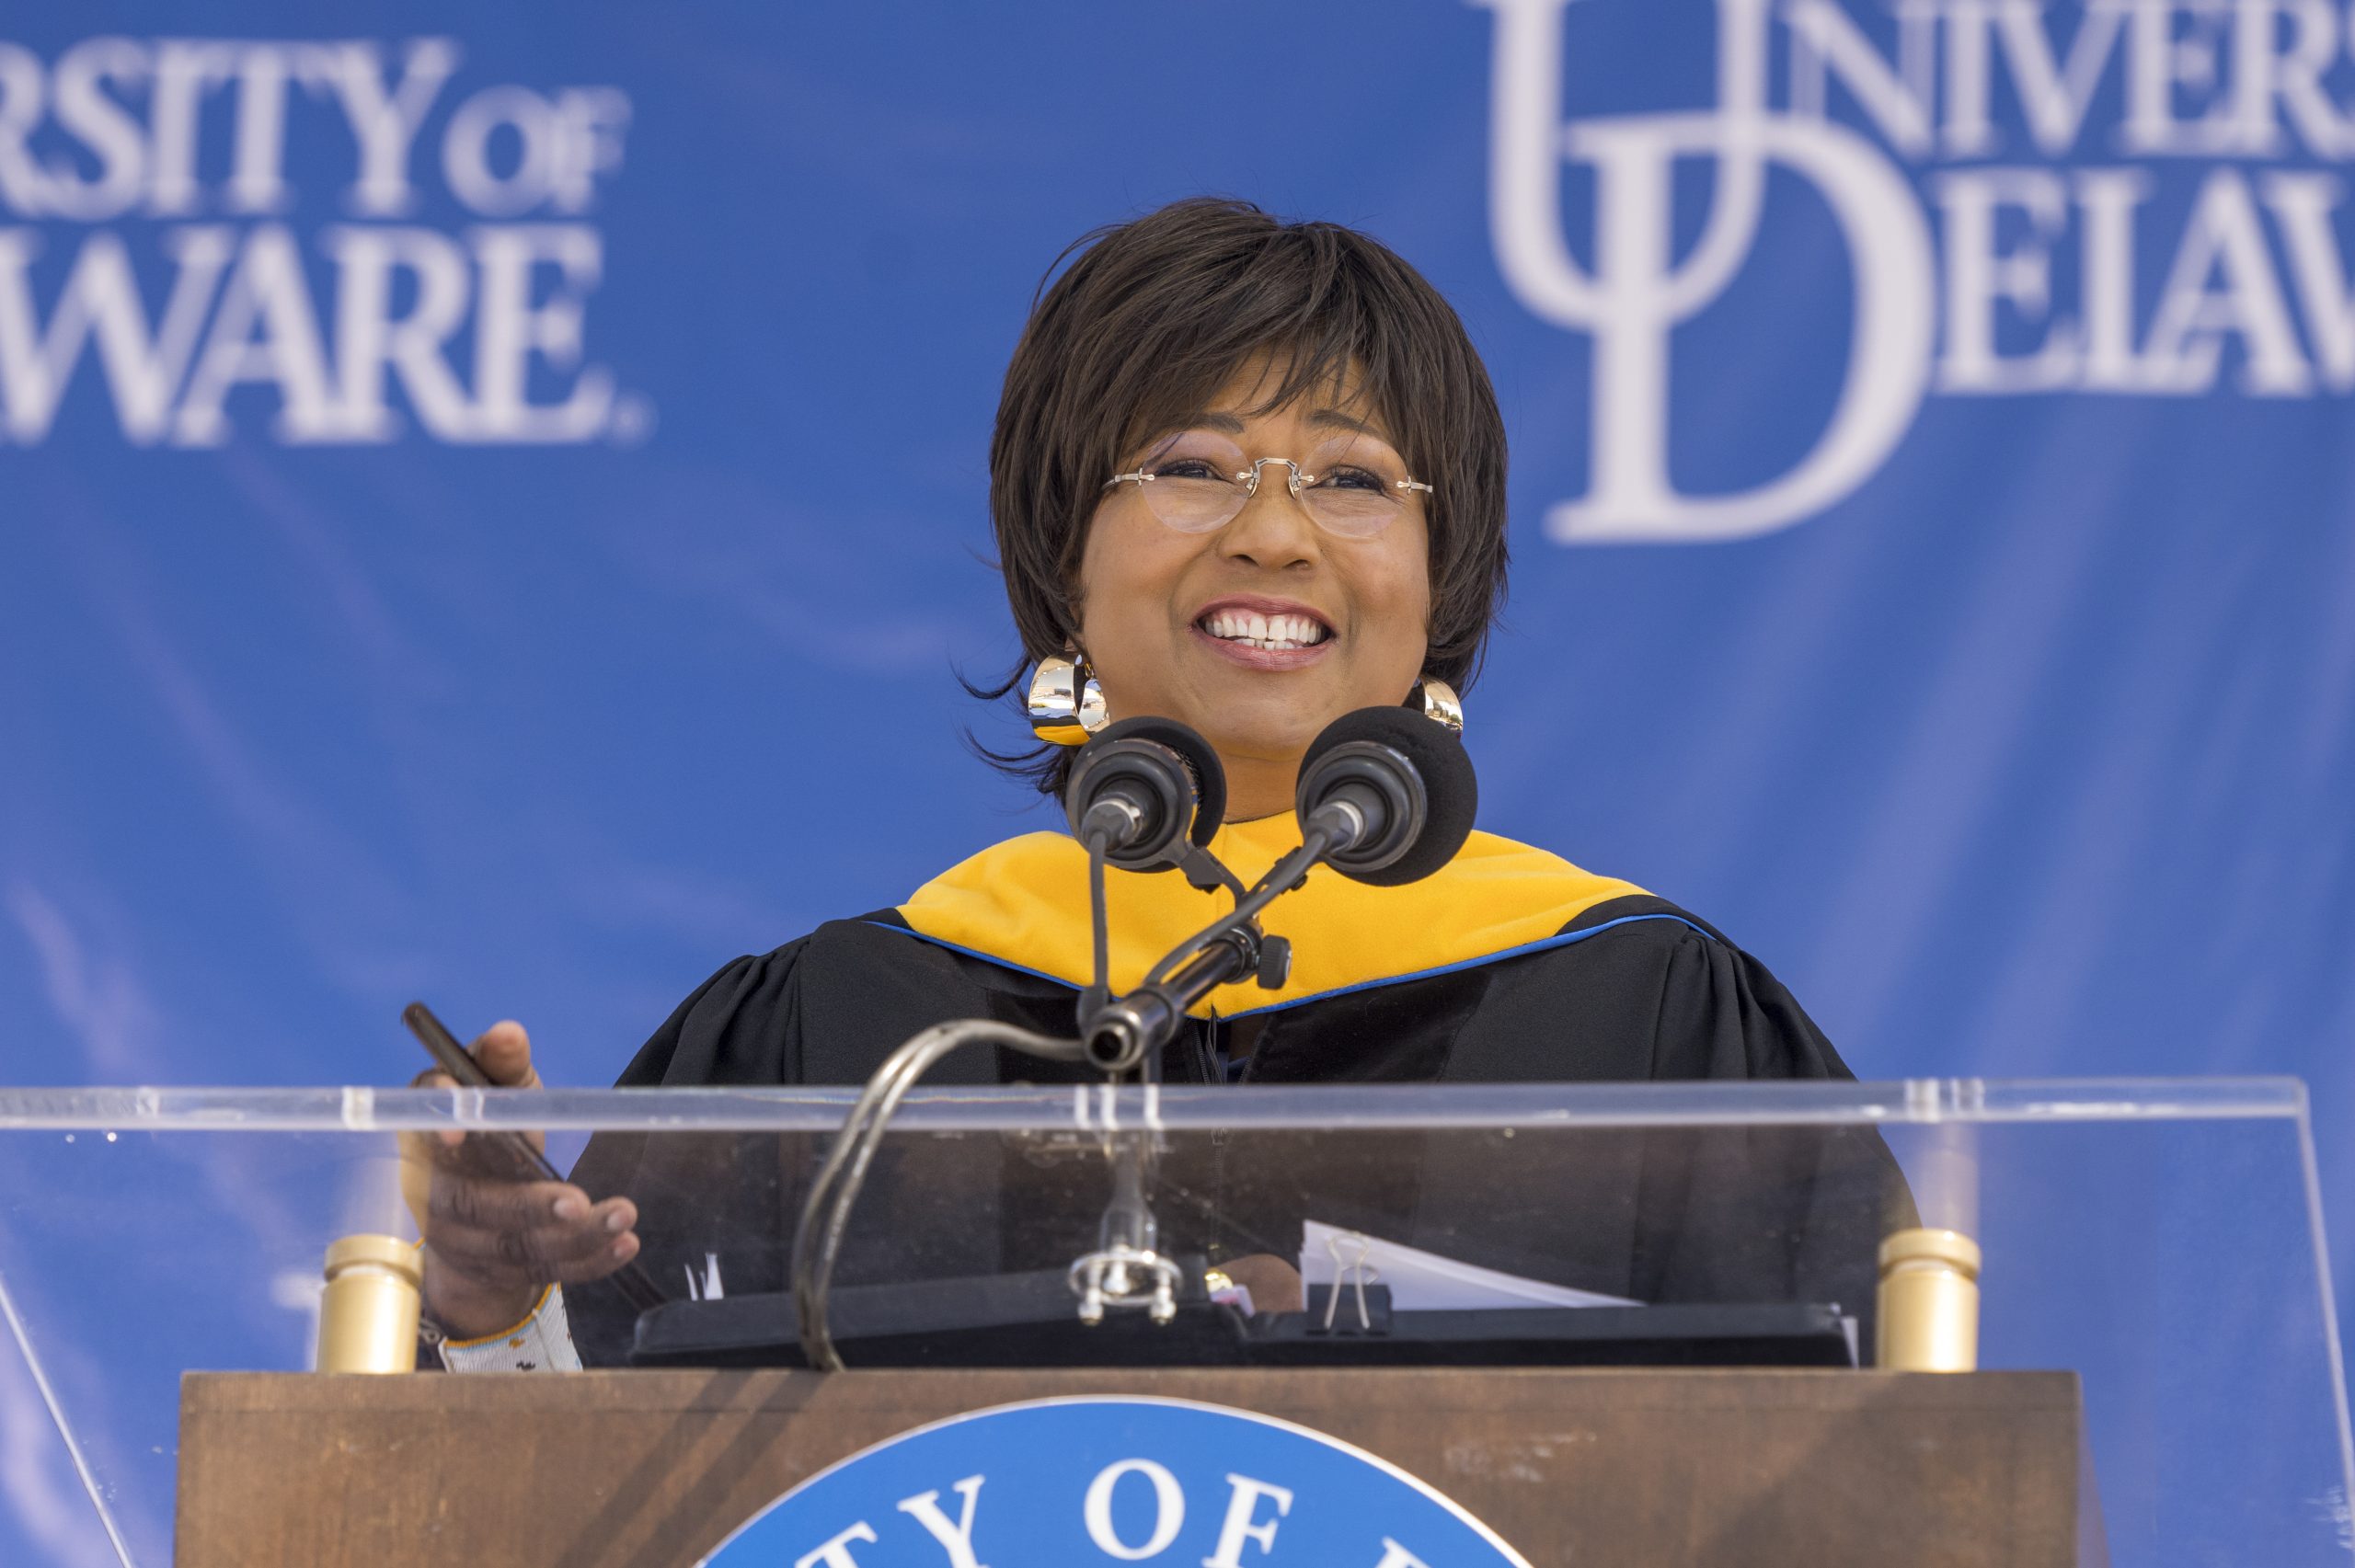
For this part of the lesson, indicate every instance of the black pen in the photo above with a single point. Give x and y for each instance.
(631, 1279)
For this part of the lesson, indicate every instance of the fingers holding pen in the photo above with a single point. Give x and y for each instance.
(527, 1207)
(504, 1053)
(497, 1259)
(540, 1230)
(499, 1223)
(447, 1142)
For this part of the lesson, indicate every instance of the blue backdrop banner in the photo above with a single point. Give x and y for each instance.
(446, 450)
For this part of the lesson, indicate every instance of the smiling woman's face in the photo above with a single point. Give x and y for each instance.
(1261, 632)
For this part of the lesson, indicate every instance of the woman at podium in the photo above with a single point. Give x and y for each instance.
(1250, 475)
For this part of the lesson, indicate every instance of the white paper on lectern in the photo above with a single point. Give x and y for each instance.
(1426, 1282)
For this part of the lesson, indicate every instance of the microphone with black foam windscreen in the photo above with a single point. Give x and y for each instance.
(1392, 792)
(1143, 795)
(1149, 788)
(1385, 795)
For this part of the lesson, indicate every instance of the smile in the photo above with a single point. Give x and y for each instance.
(1264, 634)
(1278, 633)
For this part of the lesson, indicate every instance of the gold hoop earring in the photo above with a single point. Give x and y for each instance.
(1437, 700)
(1065, 705)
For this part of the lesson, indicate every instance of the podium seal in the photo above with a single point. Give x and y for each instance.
(1113, 1480)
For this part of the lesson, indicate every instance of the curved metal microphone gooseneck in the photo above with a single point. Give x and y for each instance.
(825, 1209)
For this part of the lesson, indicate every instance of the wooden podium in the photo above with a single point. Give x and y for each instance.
(651, 1469)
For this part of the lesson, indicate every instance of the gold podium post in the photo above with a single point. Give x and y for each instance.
(1928, 1302)
(368, 1312)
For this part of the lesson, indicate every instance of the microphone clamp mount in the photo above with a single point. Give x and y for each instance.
(1121, 1033)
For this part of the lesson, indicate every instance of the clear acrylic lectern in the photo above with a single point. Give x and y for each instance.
(2160, 1240)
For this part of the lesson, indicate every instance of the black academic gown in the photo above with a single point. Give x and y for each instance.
(1629, 989)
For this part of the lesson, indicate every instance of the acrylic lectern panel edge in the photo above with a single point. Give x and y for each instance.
(2318, 1238)
(91, 1487)
(358, 1109)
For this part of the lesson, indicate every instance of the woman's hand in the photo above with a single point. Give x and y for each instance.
(495, 1233)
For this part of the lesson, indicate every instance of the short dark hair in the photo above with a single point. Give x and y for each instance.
(1152, 317)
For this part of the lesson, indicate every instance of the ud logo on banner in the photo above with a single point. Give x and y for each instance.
(2116, 192)
(1098, 1480)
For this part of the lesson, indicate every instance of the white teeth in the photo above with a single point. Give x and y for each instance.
(1264, 631)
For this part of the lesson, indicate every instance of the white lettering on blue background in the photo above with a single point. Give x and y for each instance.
(1113, 1480)
(957, 1538)
(1241, 1525)
(835, 1553)
(1168, 1510)
(2229, 81)
(482, 332)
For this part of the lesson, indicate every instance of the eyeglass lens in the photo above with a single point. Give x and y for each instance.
(1348, 484)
